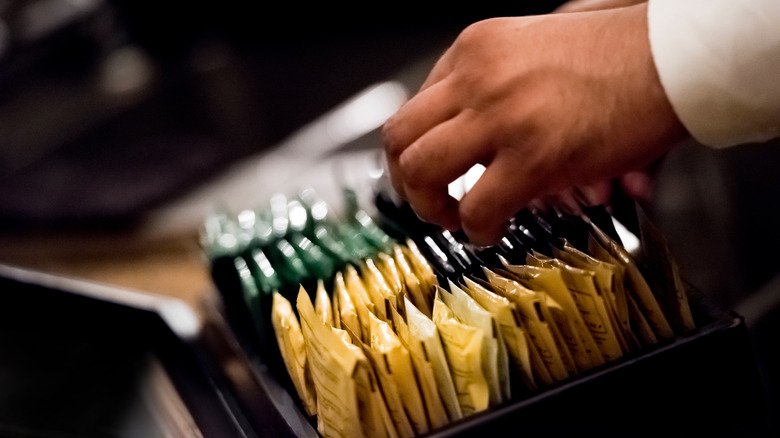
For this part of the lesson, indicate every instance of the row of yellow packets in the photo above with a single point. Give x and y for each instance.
(389, 352)
(350, 365)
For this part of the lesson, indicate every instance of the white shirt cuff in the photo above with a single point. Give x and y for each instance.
(719, 63)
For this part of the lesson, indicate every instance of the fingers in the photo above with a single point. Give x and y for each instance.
(439, 157)
(498, 195)
(594, 194)
(441, 69)
(638, 185)
(436, 206)
(426, 110)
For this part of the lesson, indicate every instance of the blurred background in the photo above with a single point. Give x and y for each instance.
(116, 115)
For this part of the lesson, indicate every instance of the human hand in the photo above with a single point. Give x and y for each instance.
(594, 5)
(545, 103)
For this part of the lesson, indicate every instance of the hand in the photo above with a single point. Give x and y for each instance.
(594, 5)
(545, 103)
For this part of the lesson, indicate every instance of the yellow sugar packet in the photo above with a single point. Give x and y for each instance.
(349, 401)
(560, 324)
(359, 294)
(412, 283)
(424, 272)
(533, 312)
(608, 279)
(335, 304)
(514, 334)
(463, 347)
(346, 310)
(586, 352)
(293, 351)
(423, 329)
(393, 365)
(594, 309)
(322, 304)
(495, 360)
(424, 370)
(379, 290)
(391, 272)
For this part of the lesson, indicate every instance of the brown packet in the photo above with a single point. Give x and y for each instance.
(593, 307)
(637, 318)
(463, 347)
(535, 316)
(663, 273)
(586, 352)
(514, 333)
(349, 400)
(393, 366)
(293, 351)
(636, 285)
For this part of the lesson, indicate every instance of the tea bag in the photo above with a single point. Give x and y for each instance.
(495, 361)
(514, 334)
(349, 401)
(424, 330)
(463, 346)
(291, 346)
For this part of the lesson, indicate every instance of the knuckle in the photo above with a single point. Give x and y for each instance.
(409, 169)
(391, 138)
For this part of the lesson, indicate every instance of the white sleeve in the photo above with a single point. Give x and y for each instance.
(719, 63)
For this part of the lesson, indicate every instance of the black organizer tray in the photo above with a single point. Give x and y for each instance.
(704, 384)
(74, 356)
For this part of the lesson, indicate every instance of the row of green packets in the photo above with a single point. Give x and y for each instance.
(289, 241)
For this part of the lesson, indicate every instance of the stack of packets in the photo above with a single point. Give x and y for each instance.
(400, 329)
